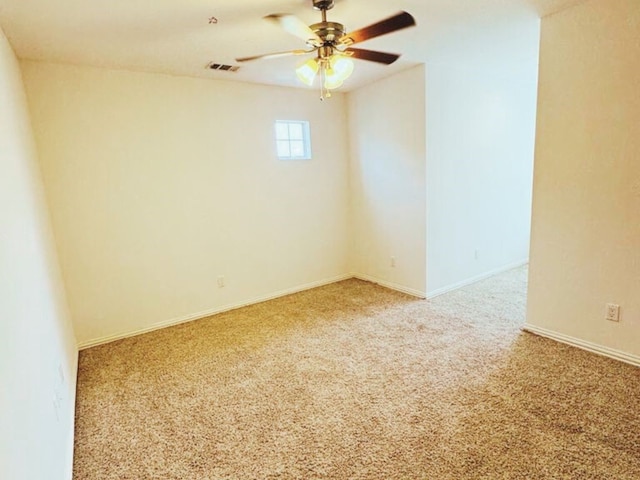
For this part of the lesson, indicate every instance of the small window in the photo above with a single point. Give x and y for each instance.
(292, 140)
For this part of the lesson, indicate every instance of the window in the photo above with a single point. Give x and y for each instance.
(292, 140)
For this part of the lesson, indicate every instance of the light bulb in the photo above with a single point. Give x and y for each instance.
(307, 71)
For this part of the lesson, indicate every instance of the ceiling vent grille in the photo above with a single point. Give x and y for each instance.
(220, 66)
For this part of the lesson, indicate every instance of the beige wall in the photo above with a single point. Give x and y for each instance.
(38, 355)
(585, 248)
(160, 184)
(480, 141)
(388, 197)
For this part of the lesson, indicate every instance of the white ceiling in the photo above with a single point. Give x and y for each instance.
(174, 36)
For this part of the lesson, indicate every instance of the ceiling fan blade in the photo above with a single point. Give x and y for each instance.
(294, 26)
(273, 55)
(373, 55)
(397, 22)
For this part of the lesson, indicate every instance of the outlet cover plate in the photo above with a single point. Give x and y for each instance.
(613, 312)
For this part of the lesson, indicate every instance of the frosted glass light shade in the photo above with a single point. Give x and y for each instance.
(307, 71)
(340, 69)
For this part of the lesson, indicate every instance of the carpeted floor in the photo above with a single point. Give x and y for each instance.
(354, 381)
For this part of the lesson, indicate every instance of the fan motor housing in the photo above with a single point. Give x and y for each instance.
(323, 5)
(329, 32)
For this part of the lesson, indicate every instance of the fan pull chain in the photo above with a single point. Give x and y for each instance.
(324, 92)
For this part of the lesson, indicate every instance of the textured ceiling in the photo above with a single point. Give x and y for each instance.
(174, 36)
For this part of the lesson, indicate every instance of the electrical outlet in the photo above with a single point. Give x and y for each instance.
(613, 312)
(221, 281)
(393, 262)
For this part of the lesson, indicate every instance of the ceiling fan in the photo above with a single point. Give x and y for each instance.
(332, 45)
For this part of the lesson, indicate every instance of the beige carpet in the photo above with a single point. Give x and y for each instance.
(353, 381)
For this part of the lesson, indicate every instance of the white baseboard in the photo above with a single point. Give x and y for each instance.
(196, 316)
(584, 345)
(391, 285)
(477, 278)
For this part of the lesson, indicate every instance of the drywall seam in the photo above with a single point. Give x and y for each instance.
(391, 285)
(584, 345)
(477, 278)
(197, 316)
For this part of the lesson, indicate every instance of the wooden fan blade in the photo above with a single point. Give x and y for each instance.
(392, 24)
(294, 26)
(373, 55)
(273, 55)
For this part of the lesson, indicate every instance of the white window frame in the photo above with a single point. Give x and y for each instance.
(287, 139)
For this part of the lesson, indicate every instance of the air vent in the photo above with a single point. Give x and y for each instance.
(220, 66)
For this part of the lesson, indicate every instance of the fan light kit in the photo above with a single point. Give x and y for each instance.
(333, 61)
